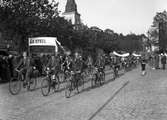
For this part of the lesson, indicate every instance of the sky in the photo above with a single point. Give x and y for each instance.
(122, 16)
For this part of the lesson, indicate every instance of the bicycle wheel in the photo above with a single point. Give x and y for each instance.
(93, 79)
(33, 83)
(45, 86)
(115, 75)
(80, 85)
(56, 84)
(15, 85)
(100, 78)
(68, 89)
(103, 76)
(82, 81)
(61, 77)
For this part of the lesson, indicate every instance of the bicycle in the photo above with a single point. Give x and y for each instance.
(90, 74)
(16, 83)
(51, 81)
(73, 82)
(115, 69)
(93, 76)
(100, 75)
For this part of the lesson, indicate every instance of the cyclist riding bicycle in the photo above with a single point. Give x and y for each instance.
(100, 63)
(67, 64)
(89, 63)
(57, 64)
(25, 66)
(115, 65)
(77, 63)
(77, 67)
(52, 64)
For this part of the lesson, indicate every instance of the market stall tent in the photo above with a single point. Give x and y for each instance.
(136, 55)
(121, 55)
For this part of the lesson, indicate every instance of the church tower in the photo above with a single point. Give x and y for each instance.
(71, 14)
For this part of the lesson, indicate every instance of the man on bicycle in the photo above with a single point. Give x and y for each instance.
(100, 62)
(52, 64)
(67, 64)
(89, 63)
(25, 66)
(115, 66)
(77, 63)
(77, 66)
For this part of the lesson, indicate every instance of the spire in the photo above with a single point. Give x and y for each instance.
(71, 6)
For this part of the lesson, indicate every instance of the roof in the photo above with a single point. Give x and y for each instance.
(70, 6)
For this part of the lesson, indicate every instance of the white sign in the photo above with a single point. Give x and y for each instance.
(43, 41)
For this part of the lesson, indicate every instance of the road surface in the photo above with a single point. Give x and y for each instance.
(129, 97)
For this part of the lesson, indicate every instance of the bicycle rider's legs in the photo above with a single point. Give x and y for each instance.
(28, 74)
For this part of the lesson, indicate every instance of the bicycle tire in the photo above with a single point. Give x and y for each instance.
(68, 89)
(103, 76)
(61, 77)
(93, 79)
(100, 78)
(56, 84)
(12, 84)
(45, 89)
(80, 85)
(33, 83)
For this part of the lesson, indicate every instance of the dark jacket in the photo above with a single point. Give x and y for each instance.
(26, 63)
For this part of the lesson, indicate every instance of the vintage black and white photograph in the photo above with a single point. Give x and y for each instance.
(83, 59)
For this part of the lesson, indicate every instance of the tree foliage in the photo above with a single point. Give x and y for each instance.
(21, 19)
(153, 32)
(159, 17)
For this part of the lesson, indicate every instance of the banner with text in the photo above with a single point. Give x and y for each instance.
(43, 41)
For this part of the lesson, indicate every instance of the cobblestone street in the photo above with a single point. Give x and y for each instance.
(129, 97)
(143, 99)
(83, 60)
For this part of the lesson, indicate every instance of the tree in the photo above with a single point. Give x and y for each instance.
(153, 32)
(21, 19)
(109, 31)
(159, 17)
(130, 42)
